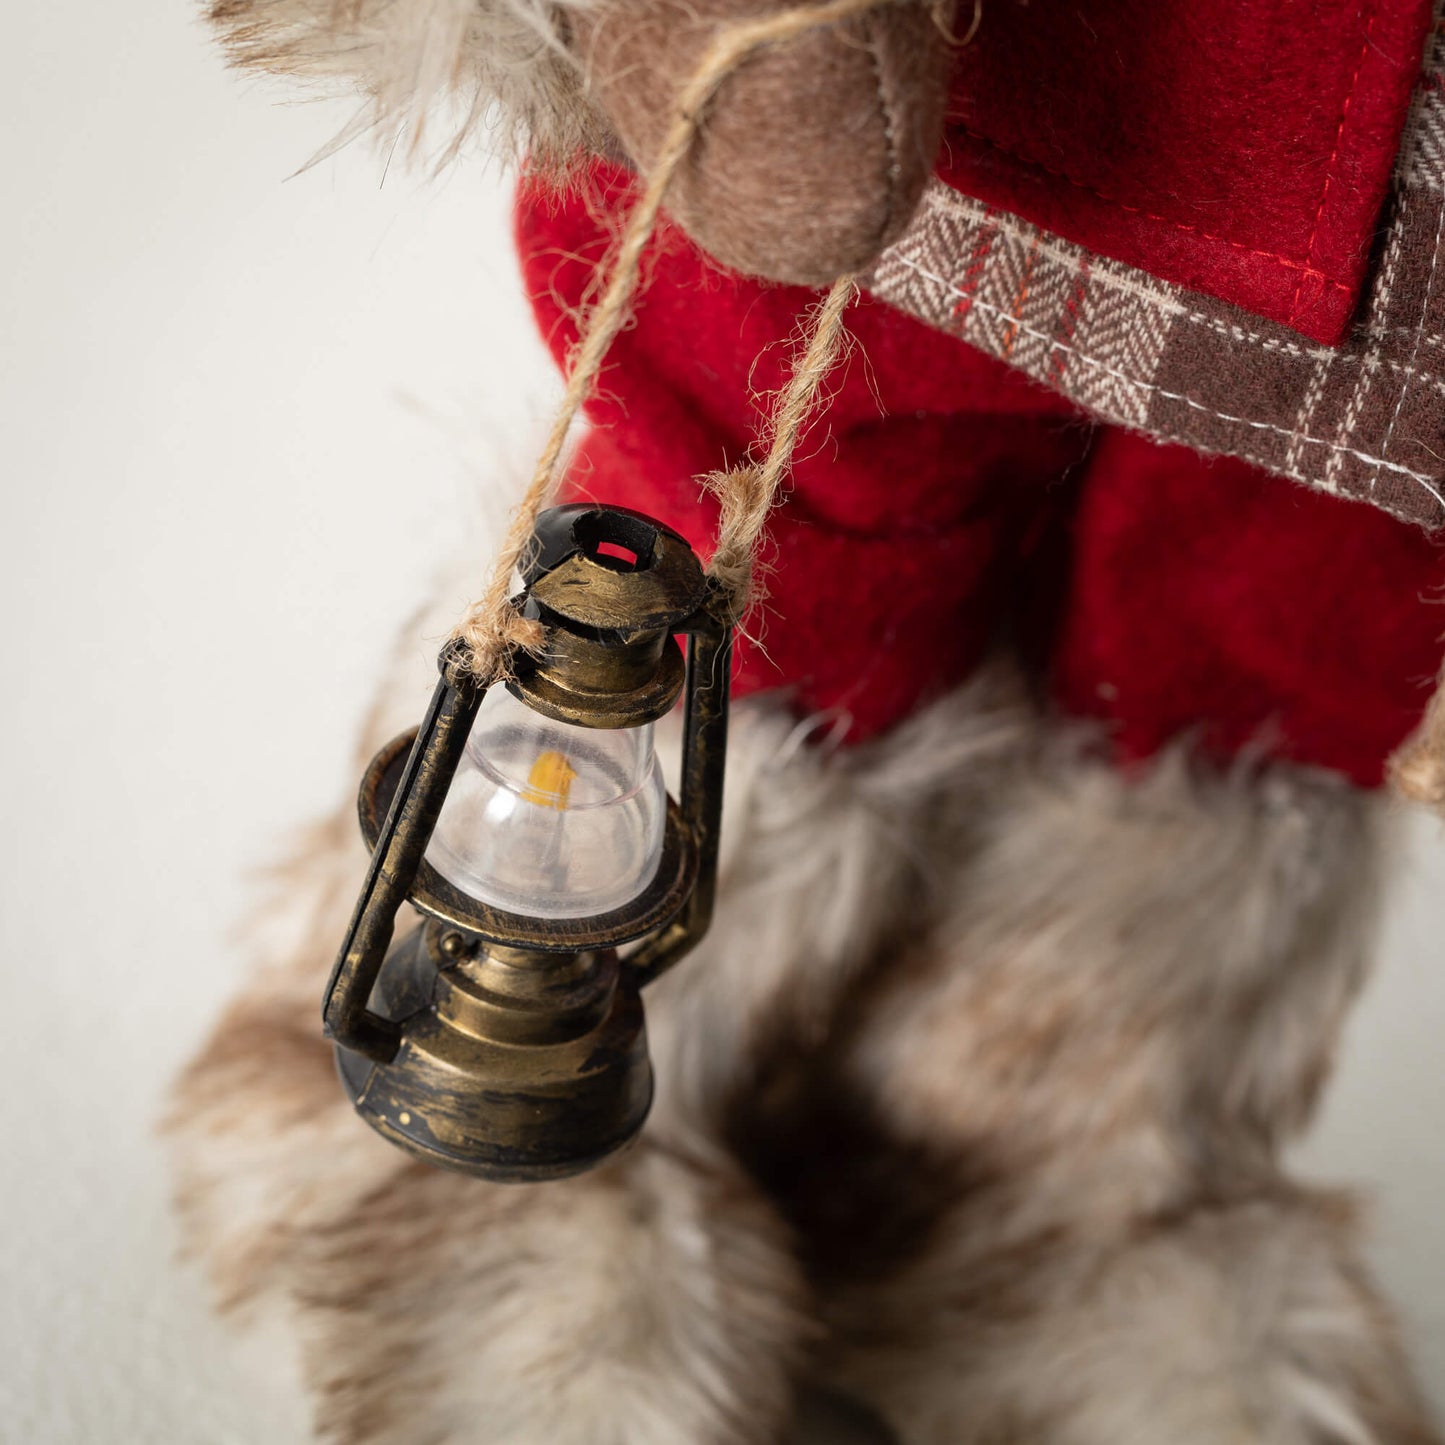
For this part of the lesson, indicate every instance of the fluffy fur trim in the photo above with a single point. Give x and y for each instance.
(1062, 1109)
(1172, 946)
(651, 1302)
(458, 65)
(969, 1105)
(1242, 1324)
(829, 857)
(654, 1300)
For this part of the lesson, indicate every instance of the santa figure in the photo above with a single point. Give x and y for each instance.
(1106, 586)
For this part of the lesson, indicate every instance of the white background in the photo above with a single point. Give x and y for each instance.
(241, 416)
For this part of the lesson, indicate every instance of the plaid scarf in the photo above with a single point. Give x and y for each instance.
(1363, 420)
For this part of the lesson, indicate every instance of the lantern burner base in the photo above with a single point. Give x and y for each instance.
(514, 1067)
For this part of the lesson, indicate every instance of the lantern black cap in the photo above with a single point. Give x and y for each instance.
(611, 573)
(611, 587)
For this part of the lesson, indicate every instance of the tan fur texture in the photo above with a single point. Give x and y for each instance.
(455, 67)
(968, 1107)
(809, 160)
(1066, 1109)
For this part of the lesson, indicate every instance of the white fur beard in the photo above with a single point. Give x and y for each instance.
(968, 1107)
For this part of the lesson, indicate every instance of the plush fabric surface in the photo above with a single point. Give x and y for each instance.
(1238, 150)
(1209, 599)
(954, 499)
(969, 1106)
(813, 154)
(886, 563)
(1361, 420)
(432, 71)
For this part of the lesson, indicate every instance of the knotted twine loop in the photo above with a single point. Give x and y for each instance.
(492, 630)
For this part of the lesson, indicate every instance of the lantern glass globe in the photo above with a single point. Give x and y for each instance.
(551, 820)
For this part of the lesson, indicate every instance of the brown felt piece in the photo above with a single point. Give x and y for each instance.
(813, 155)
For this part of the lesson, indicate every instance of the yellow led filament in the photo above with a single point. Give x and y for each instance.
(550, 780)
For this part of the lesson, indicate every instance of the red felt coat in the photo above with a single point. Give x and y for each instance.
(949, 500)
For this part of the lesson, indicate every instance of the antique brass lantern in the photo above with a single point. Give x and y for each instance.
(528, 824)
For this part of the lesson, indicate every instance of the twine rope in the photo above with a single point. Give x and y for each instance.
(492, 630)
(747, 494)
(1417, 768)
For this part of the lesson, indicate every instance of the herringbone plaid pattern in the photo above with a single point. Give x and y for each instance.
(1364, 420)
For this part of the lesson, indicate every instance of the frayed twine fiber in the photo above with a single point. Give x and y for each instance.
(1417, 768)
(492, 630)
(747, 494)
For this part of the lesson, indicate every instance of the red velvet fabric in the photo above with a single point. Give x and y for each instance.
(947, 500)
(1237, 149)
(1207, 598)
(888, 559)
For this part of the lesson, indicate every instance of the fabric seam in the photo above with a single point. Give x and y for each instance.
(1157, 390)
(1303, 267)
(1335, 155)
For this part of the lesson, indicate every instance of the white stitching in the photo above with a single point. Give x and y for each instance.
(1431, 340)
(1268, 343)
(1424, 312)
(1384, 294)
(978, 305)
(1065, 253)
(1320, 353)
(1310, 480)
(1103, 275)
(1306, 413)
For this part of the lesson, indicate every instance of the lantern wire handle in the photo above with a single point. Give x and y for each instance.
(704, 758)
(492, 631)
(415, 807)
